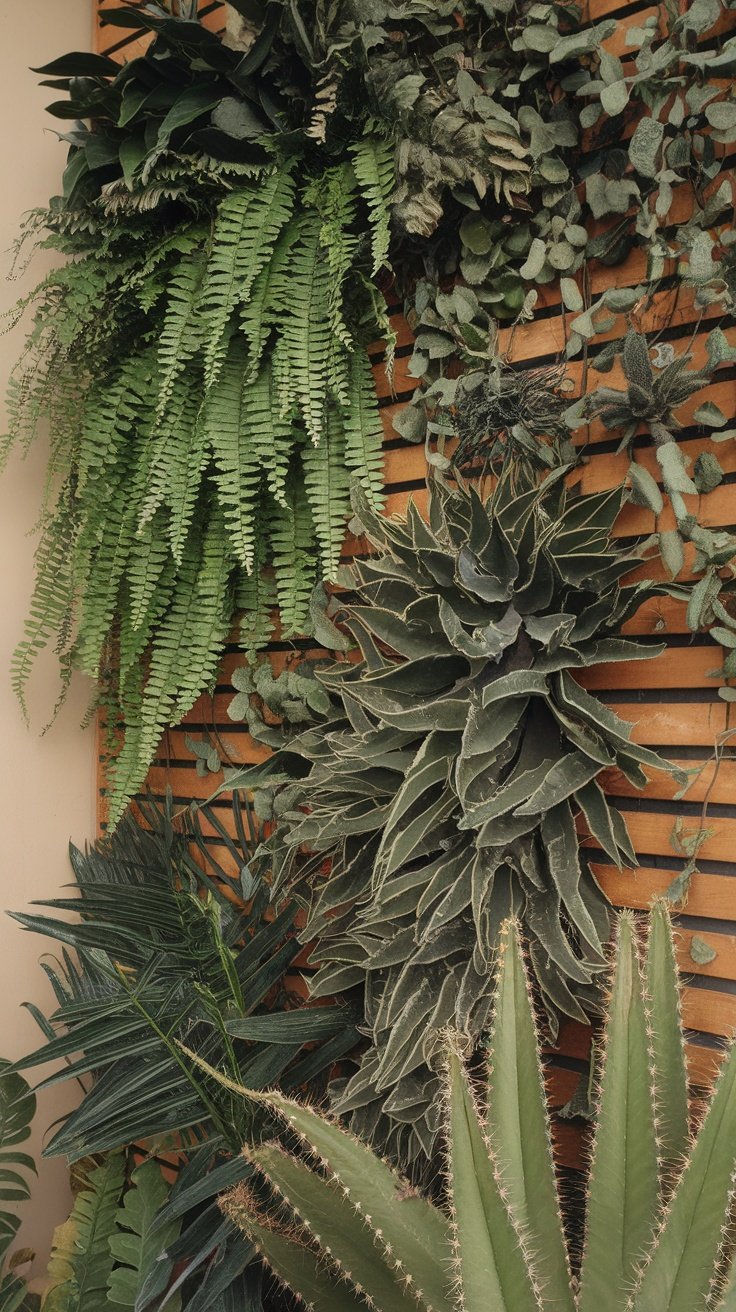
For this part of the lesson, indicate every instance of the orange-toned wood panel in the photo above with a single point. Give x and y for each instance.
(670, 700)
(123, 45)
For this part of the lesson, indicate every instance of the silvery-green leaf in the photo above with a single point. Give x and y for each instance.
(534, 262)
(721, 114)
(707, 473)
(701, 952)
(579, 43)
(644, 489)
(673, 463)
(672, 551)
(645, 145)
(710, 414)
(615, 97)
(702, 266)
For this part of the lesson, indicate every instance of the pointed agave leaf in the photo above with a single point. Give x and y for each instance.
(492, 1260)
(518, 1122)
(624, 1173)
(560, 843)
(597, 813)
(429, 767)
(668, 1049)
(565, 777)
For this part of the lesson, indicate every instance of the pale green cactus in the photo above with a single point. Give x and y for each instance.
(342, 1229)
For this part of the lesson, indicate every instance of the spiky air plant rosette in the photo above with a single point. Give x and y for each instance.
(444, 790)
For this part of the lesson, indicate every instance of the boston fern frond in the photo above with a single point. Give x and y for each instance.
(205, 374)
(446, 786)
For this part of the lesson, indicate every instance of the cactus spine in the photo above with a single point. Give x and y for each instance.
(346, 1231)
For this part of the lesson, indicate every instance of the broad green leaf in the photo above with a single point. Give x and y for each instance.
(645, 491)
(138, 1244)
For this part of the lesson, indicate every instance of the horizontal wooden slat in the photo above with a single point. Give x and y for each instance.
(709, 896)
(677, 667)
(652, 834)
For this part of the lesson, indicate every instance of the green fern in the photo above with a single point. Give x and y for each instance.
(305, 329)
(293, 540)
(230, 429)
(328, 485)
(375, 170)
(209, 395)
(363, 429)
(81, 1261)
(53, 595)
(271, 434)
(182, 333)
(269, 298)
(247, 227)
(137, 1242)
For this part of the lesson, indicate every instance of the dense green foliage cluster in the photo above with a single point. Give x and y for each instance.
(444, 782)
(231, 211)
(210, 396)
(163, 958)
(227, 207)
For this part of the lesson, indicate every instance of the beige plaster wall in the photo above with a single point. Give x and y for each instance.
(46, 783)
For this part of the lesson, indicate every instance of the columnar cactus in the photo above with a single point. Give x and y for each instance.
(345, 1231)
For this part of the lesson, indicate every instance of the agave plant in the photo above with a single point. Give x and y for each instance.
(346, 1231)
(444, 787)
(162, 951)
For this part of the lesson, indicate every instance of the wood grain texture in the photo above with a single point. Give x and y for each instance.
(671, 700)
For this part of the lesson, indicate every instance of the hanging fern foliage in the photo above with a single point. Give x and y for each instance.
(209, 393)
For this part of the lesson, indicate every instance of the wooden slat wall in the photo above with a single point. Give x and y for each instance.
(671, 700)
